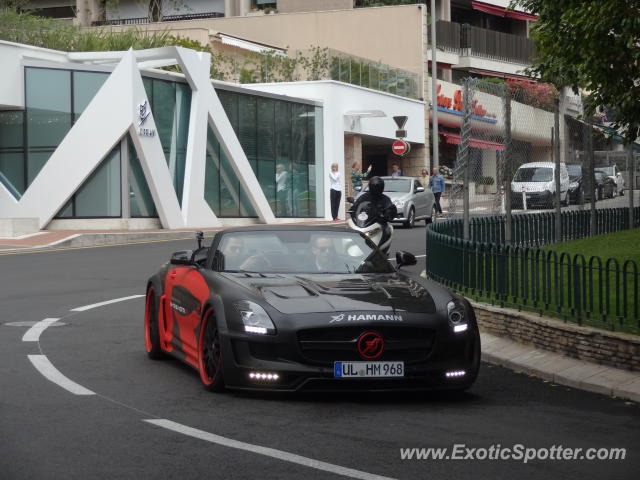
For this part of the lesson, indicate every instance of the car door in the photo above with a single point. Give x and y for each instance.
(185, 292)
(420, 200)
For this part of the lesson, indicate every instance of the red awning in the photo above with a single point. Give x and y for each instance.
(501, 11)
(454, 139)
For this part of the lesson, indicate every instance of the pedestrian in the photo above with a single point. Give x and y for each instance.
(425, 176)
(357, 175)
(282, 190)
(335, 190)
(395, 170)
(436, 184)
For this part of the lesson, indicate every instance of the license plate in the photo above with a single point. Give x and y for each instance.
(368, 369)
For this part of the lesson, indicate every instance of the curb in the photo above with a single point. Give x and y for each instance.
(560, 369)
(106, 238)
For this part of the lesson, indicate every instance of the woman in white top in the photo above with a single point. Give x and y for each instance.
(335, 190)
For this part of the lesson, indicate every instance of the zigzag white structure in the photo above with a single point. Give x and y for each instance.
(118, 100)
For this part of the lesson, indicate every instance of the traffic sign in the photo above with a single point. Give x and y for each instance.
(400, 147)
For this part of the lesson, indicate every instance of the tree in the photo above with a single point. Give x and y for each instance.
(592, 46)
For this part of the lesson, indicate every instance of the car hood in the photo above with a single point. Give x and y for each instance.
(398, 195)
(311, 293)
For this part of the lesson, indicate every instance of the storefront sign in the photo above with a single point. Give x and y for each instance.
(454, 105)
(143, 113)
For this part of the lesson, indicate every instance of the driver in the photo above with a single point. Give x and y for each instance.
(382, 204)
(324, 255)
(234, 254)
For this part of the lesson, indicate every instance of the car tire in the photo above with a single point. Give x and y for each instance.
(411, 220)
(210, 353)
(432, 217)
(152, 326)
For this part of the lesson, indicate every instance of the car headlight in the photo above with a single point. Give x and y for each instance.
(573, 185)
(255, 319)
(456, 314)
(372, 233)
(399, 203)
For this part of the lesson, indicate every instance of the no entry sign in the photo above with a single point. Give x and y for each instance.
(400, 147)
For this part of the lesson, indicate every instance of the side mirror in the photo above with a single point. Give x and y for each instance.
(405, 259)
(419, 189)
(350, 199)
(182, 257)
(358, 188)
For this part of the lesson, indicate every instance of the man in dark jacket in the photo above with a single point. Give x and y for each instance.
(382, 204)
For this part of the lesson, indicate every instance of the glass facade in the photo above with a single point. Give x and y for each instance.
(171, 105)
(278, 138)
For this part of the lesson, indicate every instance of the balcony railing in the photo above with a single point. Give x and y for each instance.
(480, 42)
(166, 18)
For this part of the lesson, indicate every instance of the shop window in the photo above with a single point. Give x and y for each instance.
(48, 115)
(141, 203)
(12, 174)
(85, 87)
(100, 195)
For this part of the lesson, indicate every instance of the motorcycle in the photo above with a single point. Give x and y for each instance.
(367, 219)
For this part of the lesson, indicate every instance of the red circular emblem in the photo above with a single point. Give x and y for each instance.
(370, 345)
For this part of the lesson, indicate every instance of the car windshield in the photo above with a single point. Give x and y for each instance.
(534, 174)
(575, 171)
(606, 170)
(402, 185)
(599, 175)
(300, 251)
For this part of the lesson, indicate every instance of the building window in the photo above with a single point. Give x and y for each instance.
(49, 115)
(12, 171)
(171, 106)
(141, 203)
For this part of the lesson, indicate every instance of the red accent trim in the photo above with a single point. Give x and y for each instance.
(454, 139)
(165, 343)
(147, 333)
(501, 11)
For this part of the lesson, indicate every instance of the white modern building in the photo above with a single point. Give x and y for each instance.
(108, 139)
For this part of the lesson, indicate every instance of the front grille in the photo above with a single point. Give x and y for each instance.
(327, 345)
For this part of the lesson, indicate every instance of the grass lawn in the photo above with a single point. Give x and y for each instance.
(624, 245)
(607, 298)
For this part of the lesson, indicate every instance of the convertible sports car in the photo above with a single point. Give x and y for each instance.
(308, 308)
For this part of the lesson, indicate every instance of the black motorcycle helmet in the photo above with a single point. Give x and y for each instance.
(376, 186)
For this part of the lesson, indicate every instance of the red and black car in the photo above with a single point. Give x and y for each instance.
(308, 308)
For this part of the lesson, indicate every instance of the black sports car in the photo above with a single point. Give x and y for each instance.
(308, 308)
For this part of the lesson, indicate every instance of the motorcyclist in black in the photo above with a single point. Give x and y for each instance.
(382, 204)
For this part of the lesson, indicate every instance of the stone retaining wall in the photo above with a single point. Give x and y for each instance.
(620, 350)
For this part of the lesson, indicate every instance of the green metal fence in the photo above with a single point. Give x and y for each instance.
(598, 291)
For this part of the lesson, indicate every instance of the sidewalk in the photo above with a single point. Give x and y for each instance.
(560, 369)
(91, 238)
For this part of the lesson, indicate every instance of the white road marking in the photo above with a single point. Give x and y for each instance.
(51, 373)
(95, 305)
(269, 452)
(33, 334)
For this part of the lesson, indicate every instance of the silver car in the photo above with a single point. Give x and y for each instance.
(411, 198)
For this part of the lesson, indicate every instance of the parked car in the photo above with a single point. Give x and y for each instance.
(576, 183)
(605, 187)
(411, 198)
(536, 180)
(614, 173)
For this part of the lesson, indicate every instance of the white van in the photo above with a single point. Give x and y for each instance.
(537, 181)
